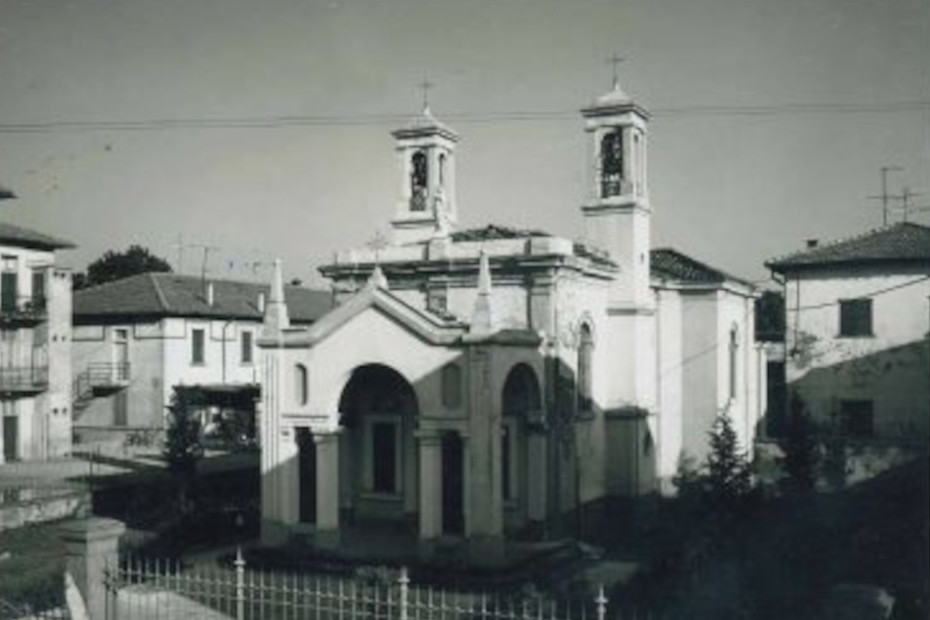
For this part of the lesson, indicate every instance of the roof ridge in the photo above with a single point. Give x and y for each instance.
(819, 248)
(158, 292)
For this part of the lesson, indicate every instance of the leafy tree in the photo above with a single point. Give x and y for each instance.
(183, 447)
(729, 476)
(799, 445)
(118, 265)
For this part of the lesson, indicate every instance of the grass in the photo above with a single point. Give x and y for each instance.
(32, 572)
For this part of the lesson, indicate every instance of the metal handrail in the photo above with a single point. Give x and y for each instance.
(23, 377)
(24, 306)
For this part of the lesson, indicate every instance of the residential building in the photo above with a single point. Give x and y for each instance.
(139, 338)
(857, 319)
(35, 346)
(480, 385)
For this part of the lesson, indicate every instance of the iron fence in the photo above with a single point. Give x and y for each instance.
(156, 589)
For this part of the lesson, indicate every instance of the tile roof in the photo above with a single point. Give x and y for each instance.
(668, 263)
(168, 294)
(25, 238)
(904, 241)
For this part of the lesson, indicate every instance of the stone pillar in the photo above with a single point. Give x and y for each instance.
(90, 546)
(430, 448)
(536, 478)
(327, 488)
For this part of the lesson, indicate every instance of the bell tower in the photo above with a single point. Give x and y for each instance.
(616, 209)
(426, 208)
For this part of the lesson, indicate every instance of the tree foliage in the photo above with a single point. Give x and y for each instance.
(799, 445)
(118, 265)
(729, 475)
(183, 447)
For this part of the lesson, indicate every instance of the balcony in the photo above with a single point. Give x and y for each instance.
(23, 379)
(23, 310)
(99, 378)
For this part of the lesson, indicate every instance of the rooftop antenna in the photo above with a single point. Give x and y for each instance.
(905, 197)
(884, 195)
(378, 243)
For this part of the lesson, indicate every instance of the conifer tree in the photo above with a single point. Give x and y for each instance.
(183, 447)
(729, 479)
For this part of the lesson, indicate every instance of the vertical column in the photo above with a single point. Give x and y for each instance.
(91, 547)
(430, 449)
(537, 476)
(327, 487)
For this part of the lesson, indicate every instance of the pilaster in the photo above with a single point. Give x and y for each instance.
(327, 488)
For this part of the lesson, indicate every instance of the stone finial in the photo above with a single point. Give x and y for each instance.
(377, 279)
(482, 318)
(276, 317)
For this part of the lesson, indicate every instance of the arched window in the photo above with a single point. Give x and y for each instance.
(611, 164)
(442, 170)
(451, 386)
(418, 181)
(733, 350)
(585, 354)
(301, 387)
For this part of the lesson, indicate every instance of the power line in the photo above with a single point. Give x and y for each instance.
(267, 122)
(871, 295)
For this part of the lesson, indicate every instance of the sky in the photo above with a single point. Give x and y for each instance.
(262, 129)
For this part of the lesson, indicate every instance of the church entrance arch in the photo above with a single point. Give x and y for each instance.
(378, 410)
(522, 411)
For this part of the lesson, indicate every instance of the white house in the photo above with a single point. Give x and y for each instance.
(35, 346)
(857, 323)
(483, 384)
(138, 338)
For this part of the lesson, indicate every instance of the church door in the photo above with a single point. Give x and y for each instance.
(306, 450)
(453, 515)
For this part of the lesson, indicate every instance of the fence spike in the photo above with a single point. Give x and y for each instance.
(601, 603)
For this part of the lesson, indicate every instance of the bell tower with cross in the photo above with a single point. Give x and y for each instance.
(426, 208)
(616, 209)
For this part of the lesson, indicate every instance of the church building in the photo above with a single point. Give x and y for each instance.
(493, 384)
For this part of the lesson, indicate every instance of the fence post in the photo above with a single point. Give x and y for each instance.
(404, 581)
(240, 584)
(601, 603)
(91, 549)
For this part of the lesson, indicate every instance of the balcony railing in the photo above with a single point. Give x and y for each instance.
(23, 379)
(23, 309)
(100, 377)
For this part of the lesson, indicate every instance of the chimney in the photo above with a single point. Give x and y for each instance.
(261, 302)
(812, 243)
(210, 294)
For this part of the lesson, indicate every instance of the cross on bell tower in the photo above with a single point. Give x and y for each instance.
(426, 207)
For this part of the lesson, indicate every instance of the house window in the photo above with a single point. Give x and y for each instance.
(198, 339)
(38, 288)
(301, 387)
(857, 418)
(9, 285)
(856, 317)
(734, 360)
(246, 347)
(585, 354)
(451, 386)
(384, 452)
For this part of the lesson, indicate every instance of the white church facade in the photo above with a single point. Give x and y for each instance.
(489, 384)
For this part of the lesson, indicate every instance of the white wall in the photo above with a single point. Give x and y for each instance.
(891, 367)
